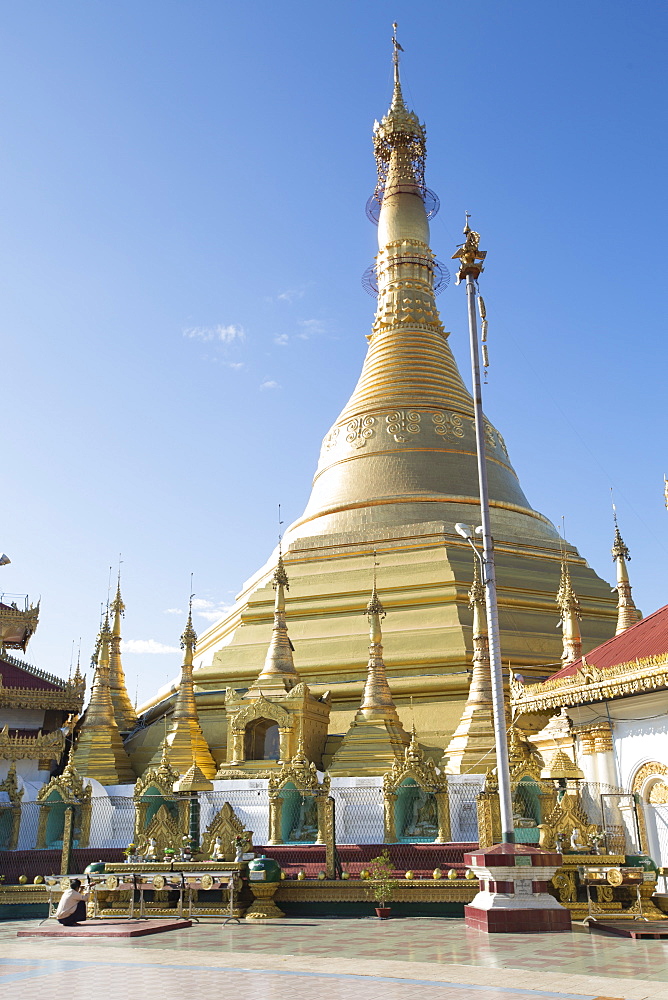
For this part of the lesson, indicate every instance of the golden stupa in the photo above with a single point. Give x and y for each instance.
(396, 471)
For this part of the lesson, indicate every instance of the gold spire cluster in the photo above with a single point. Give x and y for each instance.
(570, 618)
(627, 612)
(99, 751)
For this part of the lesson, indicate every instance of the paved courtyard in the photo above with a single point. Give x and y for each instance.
(318, 959)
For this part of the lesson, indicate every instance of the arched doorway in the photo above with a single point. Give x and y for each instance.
(651, 784)
(261, 740)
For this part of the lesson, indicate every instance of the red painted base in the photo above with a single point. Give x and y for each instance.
(520, 921)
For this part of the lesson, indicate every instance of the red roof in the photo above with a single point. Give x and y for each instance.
(648, 637)
(17, 674)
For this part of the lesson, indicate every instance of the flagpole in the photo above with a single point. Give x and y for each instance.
(470, 268)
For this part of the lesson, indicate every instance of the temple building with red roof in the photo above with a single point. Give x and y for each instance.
(34, 705)
(614, 701)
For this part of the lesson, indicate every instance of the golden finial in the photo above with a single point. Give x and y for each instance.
(189, 637)
(469, 254)
(374, 607)
(117, 605)
(395, 55)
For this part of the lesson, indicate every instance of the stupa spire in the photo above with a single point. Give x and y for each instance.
(278, 672)
(471, 748)
(377, 699)
(99, 751)
(570, 617)
(405, 441)
(627, 612)
(376, 737)
(185, 738)
(124, 713)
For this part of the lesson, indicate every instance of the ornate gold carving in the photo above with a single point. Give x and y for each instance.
(565, 883)
(449, 425)
(11, 786)
(43, 746)
(17, 626)
(402, 423)
(646, 771)
(589, 684)
(69, 697)
(360, 429)
(566, 817)
(227, 826)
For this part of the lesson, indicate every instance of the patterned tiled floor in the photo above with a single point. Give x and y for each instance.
(81, 980)
(318, 959)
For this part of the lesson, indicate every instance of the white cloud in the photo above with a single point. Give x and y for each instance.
(282, 339)
(311, 328)
(236, 365)
(269, 383)
(223, 334)
(210, 610)
(147, 646)
(290, 294)
(173, 611)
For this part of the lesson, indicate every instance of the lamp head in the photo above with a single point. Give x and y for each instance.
(464, 531)
(4, 560)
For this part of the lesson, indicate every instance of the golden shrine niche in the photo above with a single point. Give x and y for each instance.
(298, 803)
(10, 810)
(221, 834)
(533, 798)
(63, 793)
(161, 816)
(415, 799)
(262, 732)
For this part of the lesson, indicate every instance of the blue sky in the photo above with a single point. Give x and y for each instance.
(182, 231)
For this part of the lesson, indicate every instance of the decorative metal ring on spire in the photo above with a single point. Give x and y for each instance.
(431, 201)
(440, 272)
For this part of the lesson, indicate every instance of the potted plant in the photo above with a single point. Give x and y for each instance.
(381, 883)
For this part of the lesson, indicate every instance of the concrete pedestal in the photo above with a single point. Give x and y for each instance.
(514, 896)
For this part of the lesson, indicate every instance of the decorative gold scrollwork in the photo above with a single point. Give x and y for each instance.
(158, 882)
(111, 882)
(402, 423)
(448, 425)
(360, 429)
(206, 882)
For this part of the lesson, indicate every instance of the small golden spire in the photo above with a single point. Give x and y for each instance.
(627, 613)
(570, 617)
(377, 698)
(279, 668)
(124, 713)
(185, 738)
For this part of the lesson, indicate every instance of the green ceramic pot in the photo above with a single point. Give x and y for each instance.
(264, 869)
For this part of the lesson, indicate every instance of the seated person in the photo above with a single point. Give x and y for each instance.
(72, 905)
